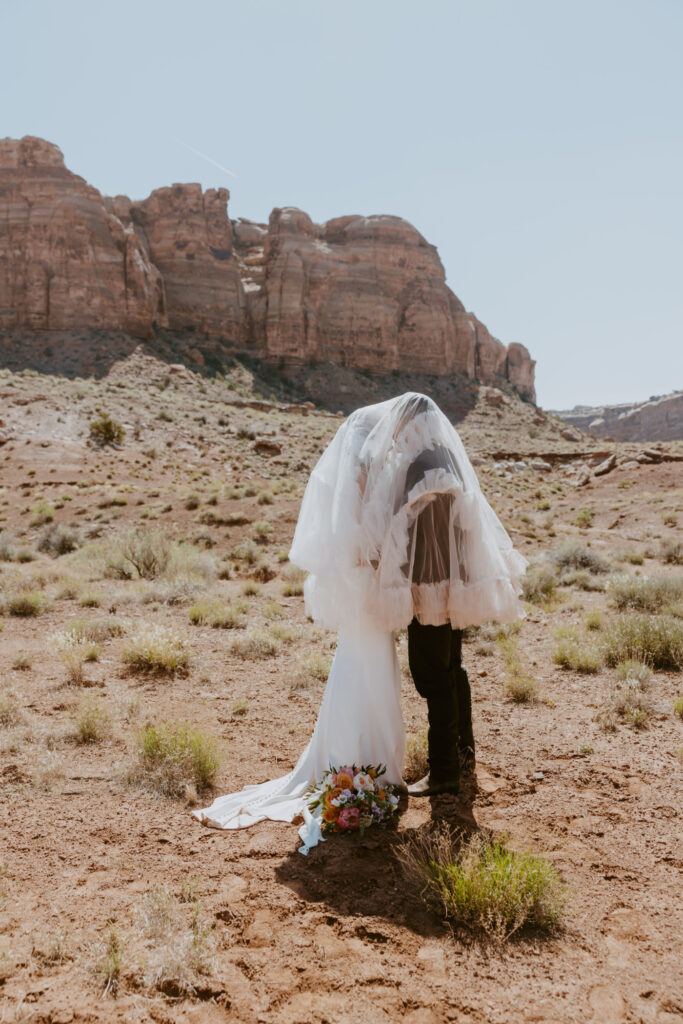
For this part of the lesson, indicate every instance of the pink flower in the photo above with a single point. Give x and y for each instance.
(349, 817)
(343, 778)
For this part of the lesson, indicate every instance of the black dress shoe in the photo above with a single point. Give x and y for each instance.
(432, 787)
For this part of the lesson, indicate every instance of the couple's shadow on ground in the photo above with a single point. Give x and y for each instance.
(363, 876)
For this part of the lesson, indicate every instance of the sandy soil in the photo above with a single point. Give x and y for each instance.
(340, 936)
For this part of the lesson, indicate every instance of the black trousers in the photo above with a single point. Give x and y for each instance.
(435, 658)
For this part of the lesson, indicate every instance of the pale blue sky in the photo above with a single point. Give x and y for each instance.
(536, 143)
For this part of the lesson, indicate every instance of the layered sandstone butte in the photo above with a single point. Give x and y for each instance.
(659, 419)
(65, 261)
(363, 292)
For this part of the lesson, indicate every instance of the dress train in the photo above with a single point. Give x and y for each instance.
(359, 722)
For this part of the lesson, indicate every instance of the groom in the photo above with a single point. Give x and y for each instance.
(435, 652)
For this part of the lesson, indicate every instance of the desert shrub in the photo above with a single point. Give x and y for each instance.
(582, 579)
(417, 756)
(634, 670)
(294, 582)
(521, 689)
(584, 518)
(317, 666)
(247, 552)
(178, 951)
(285, 634)
(68, 591)
(41, 513)
(255, 646)
(25, 604)
(481, 884)
(215, 613)
(571, 654)
(141, 553)
(22, 662)
(90, 600)
(156, 649)
(539, 582)
(191, 502)
(7, 549)
(626, 555)
(645, 593)
(74, 652)
(594, 621)
(97, 630)
(51, 950)
(265, 498)
(678, 706)
(91, 721)
(626, 701)
(109, 967)
(263, 531)
(655, 640)
(671, 552)
(250, 588)
(519, 686)
(10, 709)
(58, 539)
(105, 430)
(172, 756)
(273, 610)
(236, 518)
(573, 554)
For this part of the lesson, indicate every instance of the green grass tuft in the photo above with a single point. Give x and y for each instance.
(654, 640)
(173, 756)
(482, 885)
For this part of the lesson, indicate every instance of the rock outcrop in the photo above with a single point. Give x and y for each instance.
(190, 240)
(65, 261)
(362, 292)
(659, 419)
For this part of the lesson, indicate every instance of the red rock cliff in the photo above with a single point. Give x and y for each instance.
(65, 260)
(366, 292)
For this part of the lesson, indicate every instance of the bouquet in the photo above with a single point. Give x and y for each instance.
(351, 798)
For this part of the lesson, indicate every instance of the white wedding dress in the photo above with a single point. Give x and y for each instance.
(359, 723)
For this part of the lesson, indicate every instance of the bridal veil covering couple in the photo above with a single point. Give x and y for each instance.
(394, 532)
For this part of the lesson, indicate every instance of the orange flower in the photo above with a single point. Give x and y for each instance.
(331, 795)
(382, 794)
(330, 813)
(373, 773)
(344, 779)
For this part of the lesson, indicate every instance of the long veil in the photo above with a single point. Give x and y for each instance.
(377, 542)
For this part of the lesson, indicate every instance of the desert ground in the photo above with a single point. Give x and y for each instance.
(116, 904)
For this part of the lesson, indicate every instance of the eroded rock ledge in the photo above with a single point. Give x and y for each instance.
(363, 292)
(658, 419)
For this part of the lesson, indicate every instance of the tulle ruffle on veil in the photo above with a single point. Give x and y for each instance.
(394, 524)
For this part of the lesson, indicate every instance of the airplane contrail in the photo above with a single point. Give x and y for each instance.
(207, 158)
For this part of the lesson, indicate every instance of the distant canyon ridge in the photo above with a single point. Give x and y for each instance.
(363, 292)
(658, 419)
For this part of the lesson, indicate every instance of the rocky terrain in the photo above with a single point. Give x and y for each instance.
(366, 293)
(115, 904)
(658, 419)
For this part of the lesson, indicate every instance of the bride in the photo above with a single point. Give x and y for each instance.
(370, 544)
